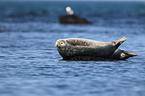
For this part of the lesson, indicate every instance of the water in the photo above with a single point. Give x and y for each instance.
(31, 66)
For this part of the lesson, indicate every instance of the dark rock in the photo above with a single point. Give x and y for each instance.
(1, 31)
(73, 19)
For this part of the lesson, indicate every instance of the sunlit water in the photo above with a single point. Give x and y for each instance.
(31, 66)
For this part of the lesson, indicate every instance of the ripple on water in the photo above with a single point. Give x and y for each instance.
(30, 64)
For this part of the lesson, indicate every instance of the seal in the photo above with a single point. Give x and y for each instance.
(122, 55)
(117, 55)
(73, 47)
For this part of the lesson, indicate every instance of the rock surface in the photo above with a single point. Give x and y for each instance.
(73, 19)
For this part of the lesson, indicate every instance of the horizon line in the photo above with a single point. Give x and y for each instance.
(73, 0)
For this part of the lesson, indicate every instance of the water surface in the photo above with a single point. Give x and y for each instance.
(31, 66)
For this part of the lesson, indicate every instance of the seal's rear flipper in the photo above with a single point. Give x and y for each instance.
(131, 54)
(117, 43)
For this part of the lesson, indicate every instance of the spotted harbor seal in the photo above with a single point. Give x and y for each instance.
(122, 55)
(117, 55)
(82, 48)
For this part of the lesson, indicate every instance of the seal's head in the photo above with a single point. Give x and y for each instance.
(122, 55)
(125, 55)
(60, 43)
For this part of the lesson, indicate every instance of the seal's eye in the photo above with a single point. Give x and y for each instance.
(61, 43)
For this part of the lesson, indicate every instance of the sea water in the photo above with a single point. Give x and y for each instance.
(30, 64)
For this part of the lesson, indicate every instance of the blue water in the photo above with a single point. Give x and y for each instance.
(31, 66)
